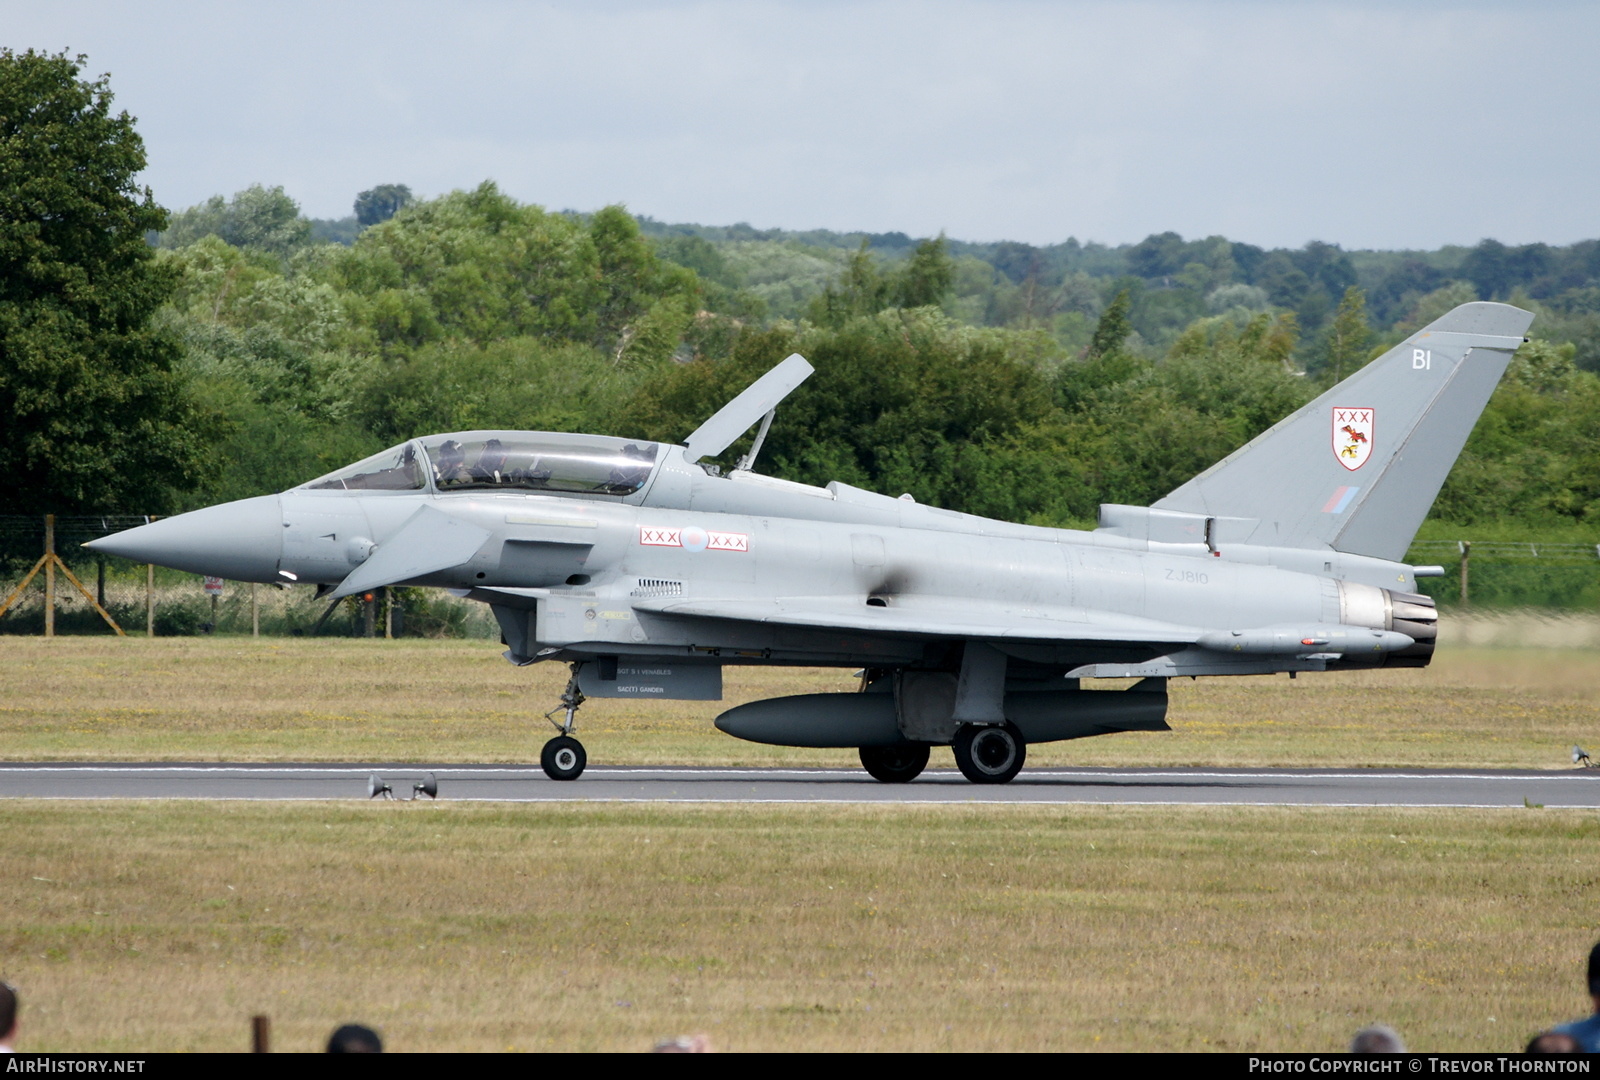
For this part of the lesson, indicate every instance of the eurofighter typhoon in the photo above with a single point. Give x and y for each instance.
(647, 571)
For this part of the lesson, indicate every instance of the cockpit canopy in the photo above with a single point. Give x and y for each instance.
(502, 461)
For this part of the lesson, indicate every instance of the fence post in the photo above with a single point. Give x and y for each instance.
(150, 595)
(1466, 556)
(388, 613)
(49, 575)
(255, 613)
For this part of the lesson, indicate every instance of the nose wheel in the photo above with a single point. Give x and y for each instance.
(563, 757)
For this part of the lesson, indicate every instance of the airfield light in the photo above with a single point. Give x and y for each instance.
(428, 785)
(1580, 756)
(376, 785)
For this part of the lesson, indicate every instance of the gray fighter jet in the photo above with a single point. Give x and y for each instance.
(647, 571)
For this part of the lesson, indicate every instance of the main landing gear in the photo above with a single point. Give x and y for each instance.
(991, 754)
(985, 754)
(563, 757)
(895, 764)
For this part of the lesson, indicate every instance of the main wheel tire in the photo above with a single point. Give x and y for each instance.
(989, 755)
(563, 758)
(895, 764)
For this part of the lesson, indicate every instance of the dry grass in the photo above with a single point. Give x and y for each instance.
(90, 698)
(164, 926)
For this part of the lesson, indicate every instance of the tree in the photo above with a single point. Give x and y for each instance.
(1349, 335)
(864, 288)
(481, 267)
(268, 219)
(902, 401)
(263, 218)
(860, 290)
(927, 276)
(381, 203)
(1113, 328)
(95, 416)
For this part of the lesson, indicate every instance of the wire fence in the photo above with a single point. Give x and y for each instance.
(1533, 573)
(1505, 550)
(22, 535)
(1556, 575)
(169, 603)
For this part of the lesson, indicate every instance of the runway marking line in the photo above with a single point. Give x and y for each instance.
(864, 802)
(649, 772)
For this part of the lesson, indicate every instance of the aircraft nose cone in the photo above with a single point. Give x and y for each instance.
(240, 541)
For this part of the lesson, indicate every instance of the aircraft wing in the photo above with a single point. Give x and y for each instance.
(931, 617)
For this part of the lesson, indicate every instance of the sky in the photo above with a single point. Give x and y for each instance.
(1404, 124)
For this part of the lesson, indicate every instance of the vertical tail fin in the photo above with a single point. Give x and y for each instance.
(1358, 468)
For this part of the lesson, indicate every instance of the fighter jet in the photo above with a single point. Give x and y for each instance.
(647, 570)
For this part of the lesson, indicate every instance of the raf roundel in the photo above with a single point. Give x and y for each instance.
(1353, 432)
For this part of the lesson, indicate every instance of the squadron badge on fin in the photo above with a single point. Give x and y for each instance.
(1352, 436)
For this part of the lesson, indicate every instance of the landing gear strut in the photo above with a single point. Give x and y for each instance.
(563, 757)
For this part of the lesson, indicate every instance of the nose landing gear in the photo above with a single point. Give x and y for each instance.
(563, 757)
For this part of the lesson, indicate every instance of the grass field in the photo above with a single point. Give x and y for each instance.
(237, 698)
(165, 926)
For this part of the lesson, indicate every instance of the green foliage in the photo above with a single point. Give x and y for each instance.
(900, 401)
(1347, 344)
(377, 205)
(1535, 454)
(927, 276)
(1505, 571)
(517, 383)
(861, 290)
(342, 231)
(95, 416)
(1133, 430)
(783, 277)
(1112, 331)
(865, 288)
(258, 217)
(1020, 382)
(645, 305)
(1261, 339)
(703, 257)
(480, 267)
(267, 355)
(1427, 308)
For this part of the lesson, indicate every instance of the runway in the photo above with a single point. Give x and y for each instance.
(501, 783)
